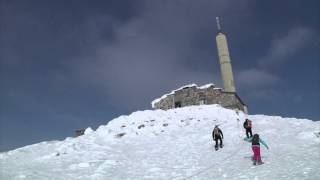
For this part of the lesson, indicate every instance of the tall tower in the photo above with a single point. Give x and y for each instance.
(224, 59)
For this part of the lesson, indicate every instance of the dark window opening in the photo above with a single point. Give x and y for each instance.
(202, 102)
(177, 104)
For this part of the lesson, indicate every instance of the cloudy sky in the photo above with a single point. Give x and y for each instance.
(66, 65)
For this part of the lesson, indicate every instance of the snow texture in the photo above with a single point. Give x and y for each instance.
(174, 144)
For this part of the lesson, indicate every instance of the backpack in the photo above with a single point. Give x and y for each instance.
(249, 124)
(216, 131)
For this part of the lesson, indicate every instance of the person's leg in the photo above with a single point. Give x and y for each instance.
(255, 154)
(258, 155)
(250, 131)
(216, 139)
(220, 142)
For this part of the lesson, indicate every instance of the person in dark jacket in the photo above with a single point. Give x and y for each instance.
(248, 125)
(217, 135)
(255, 145)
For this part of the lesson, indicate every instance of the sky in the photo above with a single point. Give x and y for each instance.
(67, 65)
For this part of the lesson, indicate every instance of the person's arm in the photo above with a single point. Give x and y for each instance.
(221, 133)
(264, 143)
(248, 139)
(213, 135)
(244, 125)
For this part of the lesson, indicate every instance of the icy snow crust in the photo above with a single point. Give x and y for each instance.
(173, 144)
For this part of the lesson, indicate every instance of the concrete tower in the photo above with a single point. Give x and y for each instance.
(224, 59)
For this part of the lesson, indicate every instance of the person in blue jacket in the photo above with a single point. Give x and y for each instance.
(256, 140)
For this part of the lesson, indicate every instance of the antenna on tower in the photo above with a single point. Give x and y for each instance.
(218, 24)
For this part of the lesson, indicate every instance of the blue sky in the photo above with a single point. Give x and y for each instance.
(66, 65)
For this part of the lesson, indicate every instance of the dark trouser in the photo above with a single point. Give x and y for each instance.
(249, 131)
(218, 138)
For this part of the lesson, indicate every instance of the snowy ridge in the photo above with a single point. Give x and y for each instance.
(173, 144)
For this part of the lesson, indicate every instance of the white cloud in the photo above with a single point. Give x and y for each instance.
(282, 49)
(255, 78)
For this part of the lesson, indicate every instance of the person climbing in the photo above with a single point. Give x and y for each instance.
(255, 141)
(217, 135)
(248, 126)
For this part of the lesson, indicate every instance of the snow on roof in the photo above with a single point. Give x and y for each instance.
(206, 86)
(183, 87)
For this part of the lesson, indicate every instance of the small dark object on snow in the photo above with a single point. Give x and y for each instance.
(80, 132)
(120, 135)
(166, 124)
(141, 126)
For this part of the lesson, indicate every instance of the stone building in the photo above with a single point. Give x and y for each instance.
(208, 94)
(193, 95)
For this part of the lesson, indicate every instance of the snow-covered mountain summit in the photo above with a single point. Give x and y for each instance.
(173, 144)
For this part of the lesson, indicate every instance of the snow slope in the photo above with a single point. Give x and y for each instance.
(173, 144)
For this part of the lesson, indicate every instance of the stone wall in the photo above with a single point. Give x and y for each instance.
(195, 96)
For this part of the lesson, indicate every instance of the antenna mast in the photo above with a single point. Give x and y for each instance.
(218, 24)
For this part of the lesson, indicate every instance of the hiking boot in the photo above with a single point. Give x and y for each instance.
(221, 145)
(260, 162)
